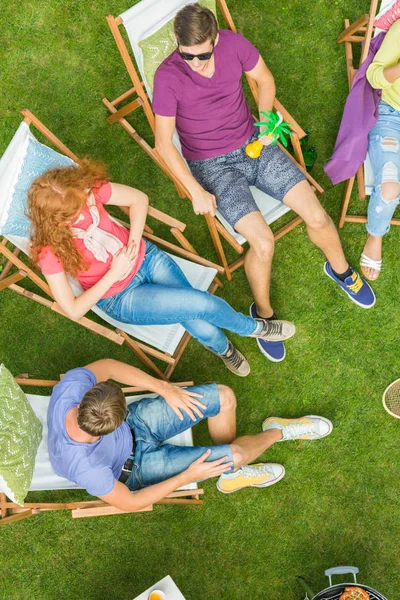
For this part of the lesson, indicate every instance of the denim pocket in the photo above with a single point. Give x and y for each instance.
(107, 304)
(385, 109)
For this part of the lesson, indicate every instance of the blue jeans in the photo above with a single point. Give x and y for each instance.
(384, 151)
(160, 294)
(153, 422)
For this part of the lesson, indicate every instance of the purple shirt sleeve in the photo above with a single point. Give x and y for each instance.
(165, 99)
(247, 53)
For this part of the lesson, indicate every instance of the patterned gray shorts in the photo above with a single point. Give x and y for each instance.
(229, 176)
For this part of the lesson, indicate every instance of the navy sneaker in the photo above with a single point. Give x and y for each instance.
(274, 351)
(355, 287)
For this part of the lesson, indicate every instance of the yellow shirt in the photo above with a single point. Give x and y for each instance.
(388, 55)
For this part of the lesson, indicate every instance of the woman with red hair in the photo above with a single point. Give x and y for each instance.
(129, 278)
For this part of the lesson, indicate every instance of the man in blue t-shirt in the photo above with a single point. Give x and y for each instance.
(94, 442)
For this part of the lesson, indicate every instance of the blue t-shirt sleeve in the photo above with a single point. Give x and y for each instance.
(96, 481)
(81, 375)
(248, 54)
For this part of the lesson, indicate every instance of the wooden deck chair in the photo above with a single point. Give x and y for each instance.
(44, 477)
(362, 31)
(165, 342)
(142, 21)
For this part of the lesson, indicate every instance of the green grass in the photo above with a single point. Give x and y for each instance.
(339, 502)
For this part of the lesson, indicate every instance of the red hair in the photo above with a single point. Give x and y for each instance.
(56, 198)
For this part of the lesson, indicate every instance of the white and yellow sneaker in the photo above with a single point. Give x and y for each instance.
(259, 475)
(305, 428)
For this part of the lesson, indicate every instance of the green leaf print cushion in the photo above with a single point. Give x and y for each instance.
(20, 436)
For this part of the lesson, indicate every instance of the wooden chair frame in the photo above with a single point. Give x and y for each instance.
(216, 229)
(186, 250)
(360, 31)
(11, 512)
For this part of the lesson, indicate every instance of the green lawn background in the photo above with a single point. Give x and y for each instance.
(339, 502)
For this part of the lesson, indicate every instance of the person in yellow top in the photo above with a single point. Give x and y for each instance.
(384, 150)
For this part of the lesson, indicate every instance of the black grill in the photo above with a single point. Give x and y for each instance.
(334, 592)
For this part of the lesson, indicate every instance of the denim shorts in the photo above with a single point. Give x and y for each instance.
(229, 176)
(153, 422)
(384, 152)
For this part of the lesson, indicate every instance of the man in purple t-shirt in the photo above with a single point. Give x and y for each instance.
(94, 441)
(198, 91)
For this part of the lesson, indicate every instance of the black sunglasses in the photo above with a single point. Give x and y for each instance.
(204, 56)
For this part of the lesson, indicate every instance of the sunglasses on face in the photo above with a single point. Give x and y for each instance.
(203, 56)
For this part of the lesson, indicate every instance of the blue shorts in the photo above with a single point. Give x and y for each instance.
(229, 176)
(153, 422)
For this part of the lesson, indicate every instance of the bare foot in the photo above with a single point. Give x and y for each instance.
(372, 249)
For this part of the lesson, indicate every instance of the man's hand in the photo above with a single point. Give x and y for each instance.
(266, 140)
(180, 399)
(203, 202)
(200, 469)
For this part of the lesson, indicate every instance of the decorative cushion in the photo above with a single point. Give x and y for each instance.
(20, 436)
(385, 19)
(38, 160)
(161, 44)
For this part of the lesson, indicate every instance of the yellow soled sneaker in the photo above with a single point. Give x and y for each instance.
(259, 475)
(310, 427)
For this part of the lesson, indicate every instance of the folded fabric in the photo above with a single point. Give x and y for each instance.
(359, 116)
(388, 16)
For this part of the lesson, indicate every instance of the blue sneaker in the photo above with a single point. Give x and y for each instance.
(274, 351)
(355, 287)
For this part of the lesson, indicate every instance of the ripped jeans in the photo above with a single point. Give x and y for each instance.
(384, 151)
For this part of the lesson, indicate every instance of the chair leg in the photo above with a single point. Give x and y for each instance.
(361, 183)
(16, 517)
(346, 199)
(133, 345)
(297, 149)
(370, 28)
(178, 353)
(218, 245)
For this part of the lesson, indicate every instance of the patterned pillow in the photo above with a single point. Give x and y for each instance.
(161, 44)
(388, 16)
(38, 160)
(20, 436)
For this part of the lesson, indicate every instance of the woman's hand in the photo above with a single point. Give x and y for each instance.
(200, 469)
(124, 261)
(181, 399)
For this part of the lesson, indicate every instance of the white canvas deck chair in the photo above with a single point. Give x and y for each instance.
(141, 22)
(165, 342)
(362, 31)
(44, 477)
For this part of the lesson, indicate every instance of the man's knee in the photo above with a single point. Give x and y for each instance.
(227, 398)
(264, 246)
(319, 219)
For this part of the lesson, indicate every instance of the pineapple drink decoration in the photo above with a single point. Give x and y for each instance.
(275, 128)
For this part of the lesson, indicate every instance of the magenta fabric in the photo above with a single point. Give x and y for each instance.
(212, 117)
(359, 116)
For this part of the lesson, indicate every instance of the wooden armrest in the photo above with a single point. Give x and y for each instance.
(164, 218)
(155, 214)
